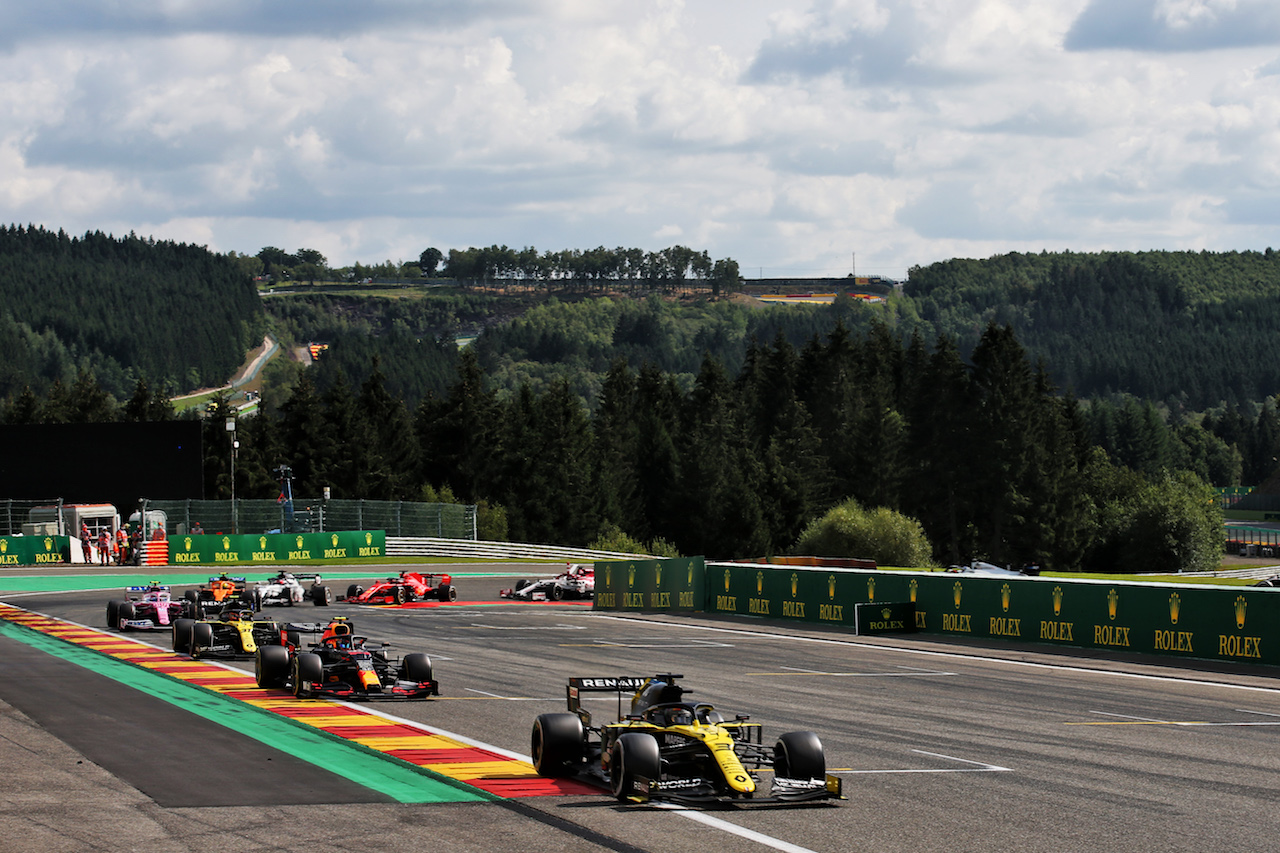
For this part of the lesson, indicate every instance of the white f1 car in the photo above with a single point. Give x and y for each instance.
(577, 582)
(287, 588)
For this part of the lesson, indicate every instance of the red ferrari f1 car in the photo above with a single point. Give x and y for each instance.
(409, 586)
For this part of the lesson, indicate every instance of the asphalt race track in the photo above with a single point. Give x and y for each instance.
(942, 747)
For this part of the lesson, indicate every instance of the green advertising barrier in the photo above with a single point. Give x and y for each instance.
(1239, 624)
(275, 548)
(34, 550)
(676, 585)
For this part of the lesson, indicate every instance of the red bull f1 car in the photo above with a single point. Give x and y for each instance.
(343, 666)
(409, 586)
(146, 608)
(667, 748)
(234, 634)
(576, 583)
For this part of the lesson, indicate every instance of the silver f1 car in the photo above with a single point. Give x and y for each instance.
(287, 588)
(577, 582)
(666, 748)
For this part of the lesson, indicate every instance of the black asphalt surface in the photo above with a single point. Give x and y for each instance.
(941, 746)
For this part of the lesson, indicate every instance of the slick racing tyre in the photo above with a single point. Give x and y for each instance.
(321, 596)
(557, 745)
(307, 669)
(182, 629)
(125, 611)
(113, 614)
(271, 666)
(354, 591)
(201, 638)
(799, 755)
(416, 667)
(634, 756)
(557, 592)
(447, 592)
(400, 595)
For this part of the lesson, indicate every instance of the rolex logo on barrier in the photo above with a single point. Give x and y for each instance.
(186, 544)
(831, 587)
(1241, 604)
(333, 539)
(726, 580)
(691, 574)
(955, 592)
(226, 543)
(871, 589)
(914, 586)
(631, 575)
(48, 544)
(262, 543)
(608, 575)
(1005, 592)
(759, 583)
(1113, 603)
(1057, 601)
(4, 546)
(885, 614)
(368, 539)
(299, 541)
(795, 584)
(657, 575)
(1175, 604)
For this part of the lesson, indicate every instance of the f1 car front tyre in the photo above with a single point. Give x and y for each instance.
(113, 613)
(201, 638)
(307, 669)
(321, 595)
(634, 756)
(557, 745)
(799, 755)
(182, 629)
(354, 591)
(416, 667)
(125, 611)
(271, 666)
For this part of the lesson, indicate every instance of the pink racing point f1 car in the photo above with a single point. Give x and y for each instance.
(146, 608)
(409, 586)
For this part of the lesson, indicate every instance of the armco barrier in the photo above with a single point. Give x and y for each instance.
(1239, 624)
(275, 548)
(34, 550)
(673, 585)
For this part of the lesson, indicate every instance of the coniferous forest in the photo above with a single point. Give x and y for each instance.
(977, 401)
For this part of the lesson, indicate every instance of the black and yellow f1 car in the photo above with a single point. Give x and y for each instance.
(234, 634)
(666, 748)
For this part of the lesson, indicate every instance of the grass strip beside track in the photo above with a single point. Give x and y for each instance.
(402, 782)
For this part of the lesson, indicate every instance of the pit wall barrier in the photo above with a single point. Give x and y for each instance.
(276, 548)
(34, 550)
(1222, 623)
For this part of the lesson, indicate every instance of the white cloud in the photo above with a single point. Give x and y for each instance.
(785, 135)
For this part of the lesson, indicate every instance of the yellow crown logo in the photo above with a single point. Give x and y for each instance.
(1113, 603)
(1241, 604)
(955, 591)
(262, 543)
(914, 586)
(1057, 601)
(226, 543)
(795, 584)
(871, 588)
(334, 540)
(831, 586)
(1005, 594)
(1175, 604)
(759, 583)
(299, 541)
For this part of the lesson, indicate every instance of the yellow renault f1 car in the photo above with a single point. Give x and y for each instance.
(668, 749)
(233, 634)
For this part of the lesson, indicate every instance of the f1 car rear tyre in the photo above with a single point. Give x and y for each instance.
(556, 593)
(182, 635)
(113, 613)
(557, 745)
(192, 608)
(307, 669)
(354, 590)
(634, 756)
(447, 593)
(416, 667)
(271, 666)
(125, 611)
(799, 755)
(321, 595)
(201, 638)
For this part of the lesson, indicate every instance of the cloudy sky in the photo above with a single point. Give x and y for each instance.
(795, 136)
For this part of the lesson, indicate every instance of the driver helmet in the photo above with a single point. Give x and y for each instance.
(679, 717)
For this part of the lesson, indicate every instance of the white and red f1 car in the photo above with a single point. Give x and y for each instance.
(577, 582)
